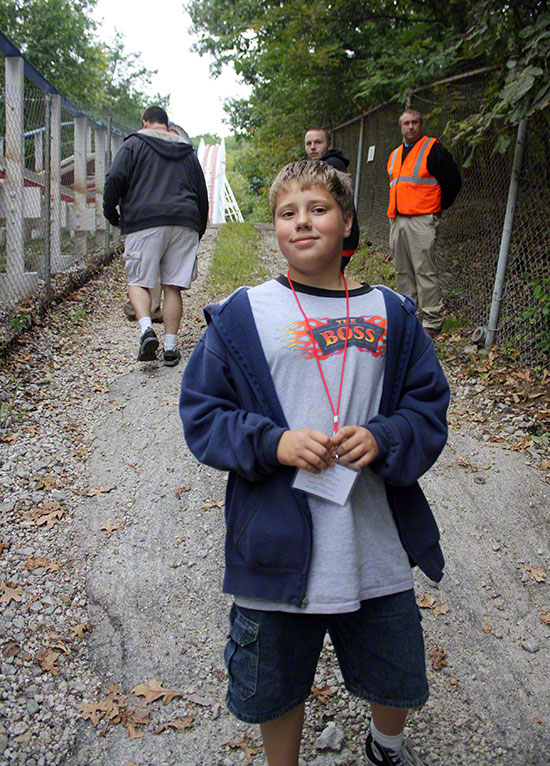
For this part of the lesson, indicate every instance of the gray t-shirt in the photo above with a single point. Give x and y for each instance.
(357, 553)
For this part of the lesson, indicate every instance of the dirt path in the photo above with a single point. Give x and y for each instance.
(113, 548)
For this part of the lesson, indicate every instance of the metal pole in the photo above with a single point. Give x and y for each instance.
(107, 167)
(47, 196)
(506, 235)
(359, 163)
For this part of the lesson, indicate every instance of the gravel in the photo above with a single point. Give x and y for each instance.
(111, 563)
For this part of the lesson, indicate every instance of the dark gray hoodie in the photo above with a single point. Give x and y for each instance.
(155, 180)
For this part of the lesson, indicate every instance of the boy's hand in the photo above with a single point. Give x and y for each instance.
(355, 445)
(306, 448)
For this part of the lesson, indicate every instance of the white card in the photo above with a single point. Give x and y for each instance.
(332, 484)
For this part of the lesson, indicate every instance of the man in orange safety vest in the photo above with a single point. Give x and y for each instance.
(424, 180)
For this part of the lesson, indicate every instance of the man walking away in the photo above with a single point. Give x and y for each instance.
(157, 183)
(424, 180)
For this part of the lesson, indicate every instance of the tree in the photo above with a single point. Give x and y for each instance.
(319, 63)
(59, 38)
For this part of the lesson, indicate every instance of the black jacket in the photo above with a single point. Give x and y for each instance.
(155, 181)
(338, 160)
(441, 165)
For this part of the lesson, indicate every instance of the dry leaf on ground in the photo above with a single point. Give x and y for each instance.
(535, 573)
(47, 659)
(245, 745)
(110, 527)
(426, 602)
(153, 690)
(180, 724)
(322, 695)
(79, 630)
(33, 563)
(99, 491)
(438, 656)
(441, 609)
(10, 593)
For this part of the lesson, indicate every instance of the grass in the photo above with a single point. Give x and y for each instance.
(235, 259)
(372, 266)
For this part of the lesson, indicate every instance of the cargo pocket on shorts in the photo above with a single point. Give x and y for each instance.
(132, 256)
(241, 656)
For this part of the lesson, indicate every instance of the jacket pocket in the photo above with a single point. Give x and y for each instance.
(242, 656)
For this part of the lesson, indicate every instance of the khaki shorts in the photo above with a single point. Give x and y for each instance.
(166, 251)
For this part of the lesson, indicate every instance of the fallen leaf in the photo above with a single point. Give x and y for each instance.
(487, 628)
(323, 694)
(535, 573)
(47, 659)
(438, 656)
(108, 707)
(244, 744)
(110, 527)
(99, 491)
(453, 681)
(153, 690)
(79, 630)
(130, 719)
(33, 563)
(45, 482)
(426, 602)
(441, 609)
(180, 724)
(179, 490)
(10, 593)
(545, 464)
(10, 649)
(213, 504)
(545, 618)
(537, 720)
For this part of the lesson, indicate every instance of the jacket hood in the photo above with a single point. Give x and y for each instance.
(338, 154)
(168, 145)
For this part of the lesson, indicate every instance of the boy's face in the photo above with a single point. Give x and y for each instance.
(317, 144)
(310, 228)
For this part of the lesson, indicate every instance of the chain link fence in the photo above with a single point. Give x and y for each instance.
(470, 234)
(53, 161)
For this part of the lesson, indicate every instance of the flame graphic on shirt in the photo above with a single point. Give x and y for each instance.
(329, 336)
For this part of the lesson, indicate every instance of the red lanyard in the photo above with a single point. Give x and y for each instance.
(335, 412)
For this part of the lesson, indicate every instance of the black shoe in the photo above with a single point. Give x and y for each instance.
(148, 345)
(171, 357)
(381, 756)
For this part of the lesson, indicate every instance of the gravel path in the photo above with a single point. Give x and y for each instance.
(111, 556)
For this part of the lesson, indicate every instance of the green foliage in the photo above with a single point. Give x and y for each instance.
(208, 138)
(539, 314)
(317, 63)
(59, 37)
(235, 260)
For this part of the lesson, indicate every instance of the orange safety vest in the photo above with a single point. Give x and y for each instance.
(413, 191)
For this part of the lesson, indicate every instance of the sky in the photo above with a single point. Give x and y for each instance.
(162, 36)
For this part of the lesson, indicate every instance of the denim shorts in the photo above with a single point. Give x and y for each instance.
(271, 657)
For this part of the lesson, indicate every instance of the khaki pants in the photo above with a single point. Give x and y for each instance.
(412, 243)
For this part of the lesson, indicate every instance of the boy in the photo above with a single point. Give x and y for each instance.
(310, 372)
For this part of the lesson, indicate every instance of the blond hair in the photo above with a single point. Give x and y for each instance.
(309, 173)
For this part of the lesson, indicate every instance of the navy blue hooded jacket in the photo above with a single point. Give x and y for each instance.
(233, 421)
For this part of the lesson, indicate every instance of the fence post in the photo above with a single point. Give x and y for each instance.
(506, 235)
(100, 157)
(359, 164)
(80, 173)
(47, 196)
(108, 158)
(54, 140)
(15, 162)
